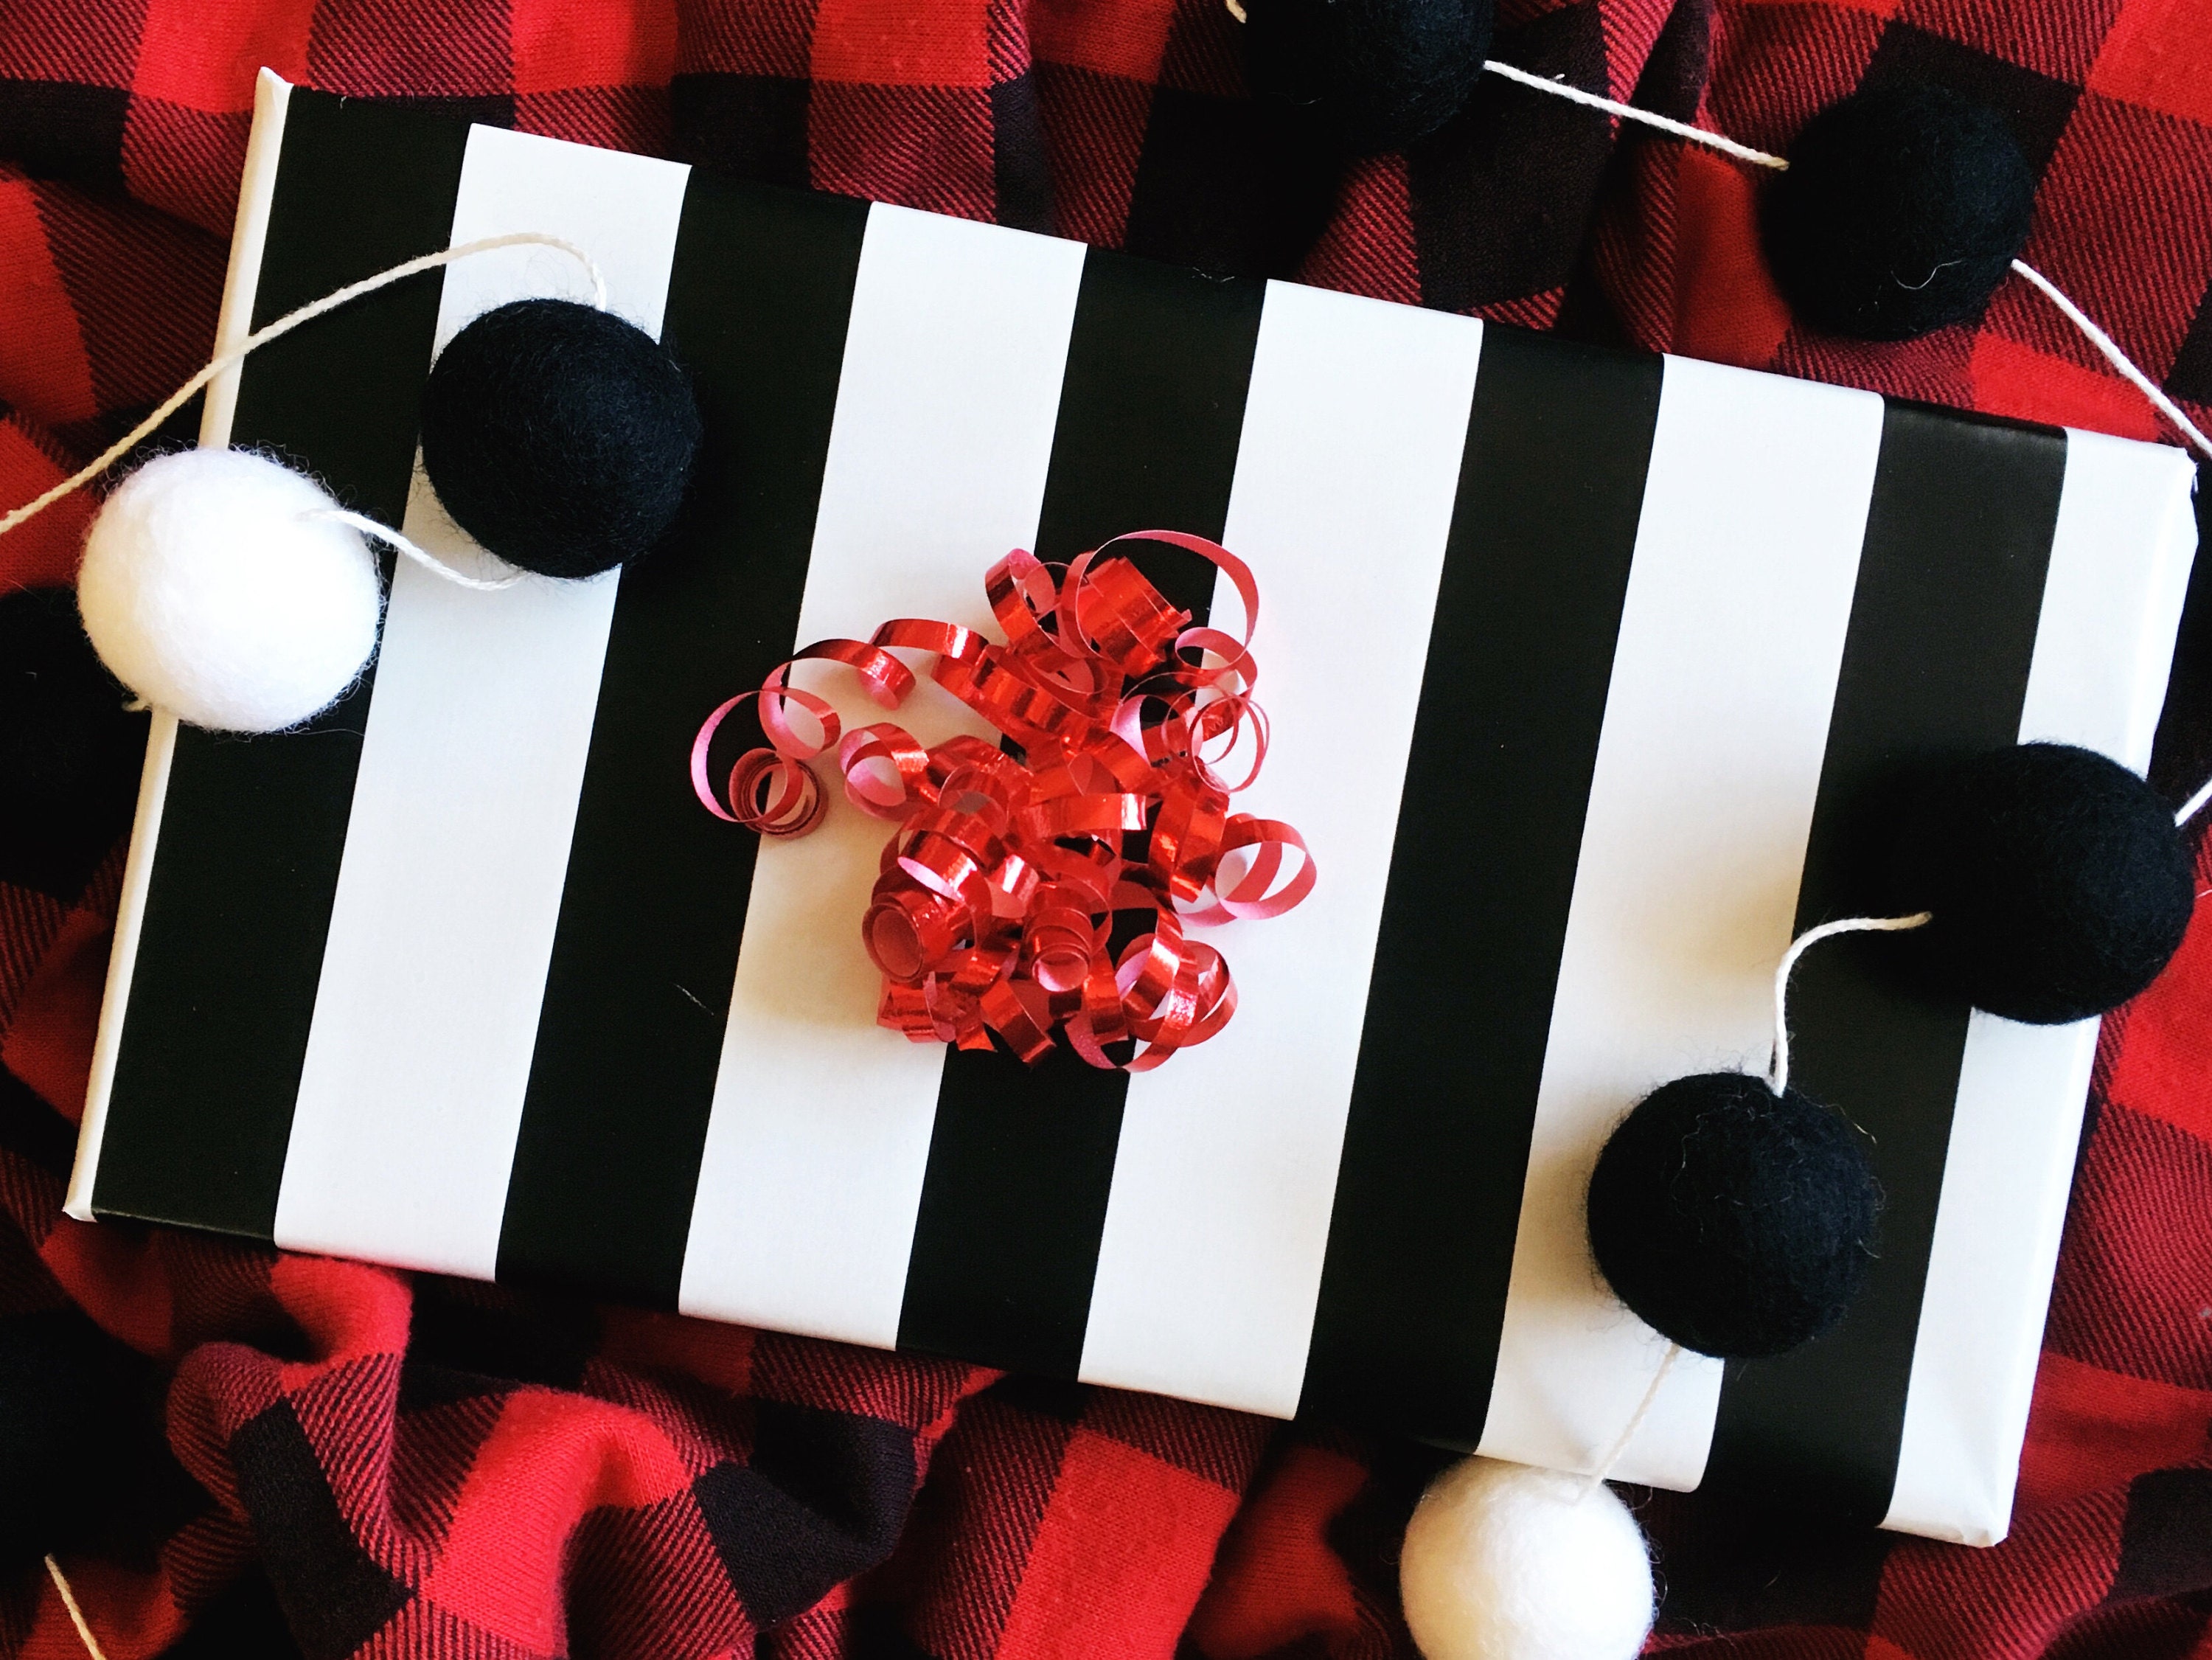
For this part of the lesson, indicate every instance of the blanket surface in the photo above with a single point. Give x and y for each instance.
(260, 1453)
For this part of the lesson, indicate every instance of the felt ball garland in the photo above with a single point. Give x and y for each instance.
(1367, 76)
(1912, 203)
(1505, 1562)
(1734, 1214)
(235, 593)
(559, 436)
(1733, 1219)
(1903, 208)
(2059, 883)
(216, 585)
(1736, 1217)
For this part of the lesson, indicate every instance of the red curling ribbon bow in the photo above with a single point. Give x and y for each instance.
(1007, 881)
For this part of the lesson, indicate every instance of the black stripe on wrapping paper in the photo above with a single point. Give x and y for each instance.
(629, 1035)
(1013, 1199)
(1474, 917)
(238, 906)
(1936, 663)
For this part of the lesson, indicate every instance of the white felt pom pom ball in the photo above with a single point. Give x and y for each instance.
(1504, 1562)
(209, 590)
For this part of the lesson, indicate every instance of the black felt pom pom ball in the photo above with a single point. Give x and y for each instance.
(1902, 210)
(1367, 75)
(559, 436)
(2058, 884)
(1737, 1222)
(69, 750)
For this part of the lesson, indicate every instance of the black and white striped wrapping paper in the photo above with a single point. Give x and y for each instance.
(1577, 664)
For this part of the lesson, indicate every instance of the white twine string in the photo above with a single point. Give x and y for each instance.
(2118, 359)
(385, 533)
(1619, 1448)
(1778, 1074)
(2195, 804)
(285, 324)
(1720, 142)
(75, 1613)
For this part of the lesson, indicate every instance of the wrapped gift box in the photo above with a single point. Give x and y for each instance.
(1580, 664)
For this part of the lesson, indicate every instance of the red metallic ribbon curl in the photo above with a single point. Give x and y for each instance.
(1007, 882)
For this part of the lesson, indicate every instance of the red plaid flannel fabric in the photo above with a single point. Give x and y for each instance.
(351, 1460)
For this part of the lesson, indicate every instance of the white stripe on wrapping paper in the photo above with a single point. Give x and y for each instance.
(426, 1013)
(2103, 643)
(257, 187)
(1685, 889)
(2120, 557)
(1226, 1169)
(820, 1128)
